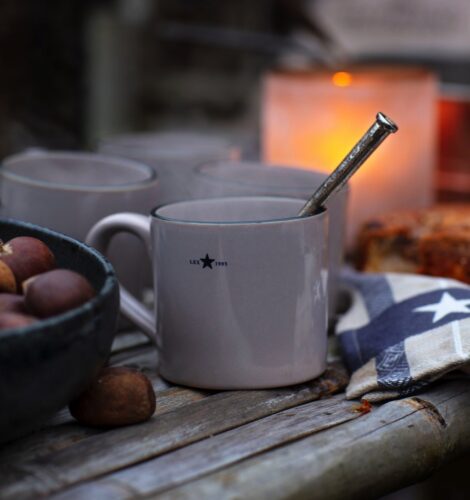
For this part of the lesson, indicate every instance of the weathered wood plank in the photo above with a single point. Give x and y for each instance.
(143, 358)
(115, 449)
(129, 339)
(61, 430)
(144, 355)
(214, 453)
(68, 432)
(395, 445)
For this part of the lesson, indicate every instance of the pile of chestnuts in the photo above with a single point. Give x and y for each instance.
(32, 288)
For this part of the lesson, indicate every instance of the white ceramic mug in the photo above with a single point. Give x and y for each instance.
(240, 290)
(70, 191)
(173, 155)
(241, 178)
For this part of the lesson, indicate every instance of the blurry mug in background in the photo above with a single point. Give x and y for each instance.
(70, 191)
(173, 155)
(240, 290)
(222, 178)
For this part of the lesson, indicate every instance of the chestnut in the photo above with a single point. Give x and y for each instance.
(26, 257)
(7, 279)
(56, 291)
(118, 396)
(11, 302)
(15, 320)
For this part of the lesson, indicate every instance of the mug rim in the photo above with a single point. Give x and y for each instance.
(151, 144)
(143, 136)
(154, 212)
(198, 171)
(77, 155)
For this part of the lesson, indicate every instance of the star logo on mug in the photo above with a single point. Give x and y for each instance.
(208, 262)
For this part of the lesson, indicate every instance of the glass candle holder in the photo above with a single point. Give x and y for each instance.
(312, 119)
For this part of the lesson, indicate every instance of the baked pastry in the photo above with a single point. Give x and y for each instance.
(434, 241)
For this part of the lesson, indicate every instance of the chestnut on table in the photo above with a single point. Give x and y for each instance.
(118, 396)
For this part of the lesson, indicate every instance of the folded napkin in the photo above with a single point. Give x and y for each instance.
(401, 332)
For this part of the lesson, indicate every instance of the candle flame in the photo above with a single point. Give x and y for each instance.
(342, 79)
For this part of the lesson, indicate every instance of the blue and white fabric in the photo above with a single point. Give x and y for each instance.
(401, 332)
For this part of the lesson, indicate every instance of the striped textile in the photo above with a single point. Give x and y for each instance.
(401, 332)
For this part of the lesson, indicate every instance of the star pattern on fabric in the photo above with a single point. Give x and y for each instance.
(447, 305)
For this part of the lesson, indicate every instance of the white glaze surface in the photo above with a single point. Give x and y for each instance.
(240, 290)
(224, 178)
(70, 191)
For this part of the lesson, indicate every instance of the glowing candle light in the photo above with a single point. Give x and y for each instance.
(312, 119)
(342, 79)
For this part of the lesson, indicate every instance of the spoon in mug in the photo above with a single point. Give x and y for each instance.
(368, 143)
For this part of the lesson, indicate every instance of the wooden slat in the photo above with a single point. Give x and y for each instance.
(129, 339)
(107, 452)
(142, 358)
(397, 444)
(61, 430)
(214, 453)
(67, 432)
(142, 355)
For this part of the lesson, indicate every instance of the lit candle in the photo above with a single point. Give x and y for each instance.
(312, 119)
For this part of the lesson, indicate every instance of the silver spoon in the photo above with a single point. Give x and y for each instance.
(368, 143)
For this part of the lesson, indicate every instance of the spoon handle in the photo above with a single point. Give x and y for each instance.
(368, 143)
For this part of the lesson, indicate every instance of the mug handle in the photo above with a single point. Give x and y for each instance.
(99, 238)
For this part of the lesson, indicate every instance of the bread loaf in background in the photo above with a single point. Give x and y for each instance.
(434, 241)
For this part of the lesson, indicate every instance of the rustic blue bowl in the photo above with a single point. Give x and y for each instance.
(45, 365)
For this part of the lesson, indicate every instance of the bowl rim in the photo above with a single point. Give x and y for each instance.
(108, 287)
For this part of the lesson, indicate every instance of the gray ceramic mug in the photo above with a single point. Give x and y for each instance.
(70, 191)
(173, 155)
(240, 290)
(241, 178)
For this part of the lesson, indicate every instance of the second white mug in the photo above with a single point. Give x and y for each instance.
(69, 191)
(242, 178)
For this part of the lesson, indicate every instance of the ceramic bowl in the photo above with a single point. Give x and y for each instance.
(45, 365)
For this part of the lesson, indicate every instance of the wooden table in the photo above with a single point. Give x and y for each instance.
(306, 441)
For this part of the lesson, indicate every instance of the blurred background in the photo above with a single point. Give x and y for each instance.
(77, 71)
